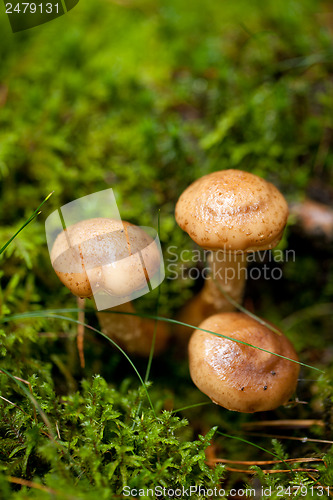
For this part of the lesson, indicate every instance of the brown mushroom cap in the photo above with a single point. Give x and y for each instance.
(239, 377)
(232, 210)
(107, 254)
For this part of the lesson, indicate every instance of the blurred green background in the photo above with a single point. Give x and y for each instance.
(145, 96)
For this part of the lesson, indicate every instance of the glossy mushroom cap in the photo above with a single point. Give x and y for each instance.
(232, 210)
(106, 254)
(239, 377)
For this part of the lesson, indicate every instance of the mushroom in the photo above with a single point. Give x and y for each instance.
(111, 260)
(315, 221)
(239, 377)
(230, 213)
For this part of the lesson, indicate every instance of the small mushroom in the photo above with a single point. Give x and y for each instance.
(315, 221)
(239, 377)
(108, 258)
(230, 213)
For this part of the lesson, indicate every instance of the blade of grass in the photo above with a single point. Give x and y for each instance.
(244, 310)
(118, 347)
(46, 313)
(193, 406)
(31, 218)
(85, 325)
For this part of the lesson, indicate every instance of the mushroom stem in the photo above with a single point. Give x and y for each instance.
(131, 332)
(227, 269)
